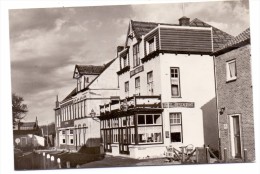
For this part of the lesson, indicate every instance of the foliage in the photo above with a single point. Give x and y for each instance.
(48, 129)
(19, 108)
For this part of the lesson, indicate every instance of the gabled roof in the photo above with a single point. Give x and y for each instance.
(72, 93)
(219, 37)
(236, 42)
(141, 28)
(89, 69)
(106, 66)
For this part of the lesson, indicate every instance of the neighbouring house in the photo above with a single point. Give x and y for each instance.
(235, 98)
(28, 135)
(166, 78)
(76, 119)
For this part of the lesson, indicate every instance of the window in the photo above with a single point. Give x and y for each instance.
(151, 45)
(231, 70)
(127, 89)
(175, 82)
(149, 128)
(79, 84)
(176, 127)
(149, 119)
(136, 55)
(125, 61)
(137, 85)
(150, 83)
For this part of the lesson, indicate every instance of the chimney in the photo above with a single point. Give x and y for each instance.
(119, 49)
(184, 21)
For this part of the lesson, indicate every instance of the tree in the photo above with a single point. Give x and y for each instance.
(19, 108)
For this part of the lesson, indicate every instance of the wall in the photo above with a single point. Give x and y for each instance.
(236, 97)
(196, 85)
(92, 136)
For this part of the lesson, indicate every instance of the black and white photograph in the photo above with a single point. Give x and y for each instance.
(134, 85)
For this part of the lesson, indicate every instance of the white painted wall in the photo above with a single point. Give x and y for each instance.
(196, 84)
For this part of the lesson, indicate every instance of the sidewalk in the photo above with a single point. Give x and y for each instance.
(118, 161)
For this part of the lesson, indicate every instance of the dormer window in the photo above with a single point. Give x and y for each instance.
(151, 45)
(124, 61)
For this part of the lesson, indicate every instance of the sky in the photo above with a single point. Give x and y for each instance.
(46, 43)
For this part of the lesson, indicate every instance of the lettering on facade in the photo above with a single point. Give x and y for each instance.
(80, 98)
(178, 105)
(136, 70)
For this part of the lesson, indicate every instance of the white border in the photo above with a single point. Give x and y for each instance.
(6, 147)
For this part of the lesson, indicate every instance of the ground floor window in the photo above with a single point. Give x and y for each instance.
(176, 127)
(150, 134)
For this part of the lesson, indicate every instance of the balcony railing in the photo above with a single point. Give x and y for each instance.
(133, 102)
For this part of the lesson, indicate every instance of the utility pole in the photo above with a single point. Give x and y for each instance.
(47, 134)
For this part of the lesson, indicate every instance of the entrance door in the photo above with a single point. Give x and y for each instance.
(235, 135)
(107, 140)
(123, 140)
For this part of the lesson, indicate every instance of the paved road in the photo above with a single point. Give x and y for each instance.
(111, 161)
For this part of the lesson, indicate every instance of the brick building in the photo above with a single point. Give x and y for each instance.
(234, 97)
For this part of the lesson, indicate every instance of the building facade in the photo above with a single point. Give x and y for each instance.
(166, 77)
(27, 135)
(76, 116)
(235, 98)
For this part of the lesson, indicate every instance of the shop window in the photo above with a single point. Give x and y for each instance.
(151, 134)
(141, 119)
(176, 127)
(149, 119)
(175, 82)
(231, 70)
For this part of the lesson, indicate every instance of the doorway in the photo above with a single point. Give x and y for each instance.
(235, 132)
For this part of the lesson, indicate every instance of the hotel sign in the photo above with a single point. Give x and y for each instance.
(178, 104)
(136, 70)
(80, 98)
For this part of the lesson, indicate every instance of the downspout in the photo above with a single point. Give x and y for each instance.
(216, 94)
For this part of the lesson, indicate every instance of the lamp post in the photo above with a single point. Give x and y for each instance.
(84, 132)
(76, 137)
(79, 131)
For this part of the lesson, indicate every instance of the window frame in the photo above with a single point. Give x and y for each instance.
(136, 54)
(176, 124)
(137, 88)
(228, 75)
(178, 80)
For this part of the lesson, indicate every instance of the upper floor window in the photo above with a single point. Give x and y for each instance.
(175, 82)
(127, 89)
(137, 85)
(79, 84)
(151, 45)
(136, 55)
(231, 70)
(150, 82)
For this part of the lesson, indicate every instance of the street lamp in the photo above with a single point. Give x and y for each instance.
(79, 130)
(84, 132)
(92, 113)
(76, 137)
